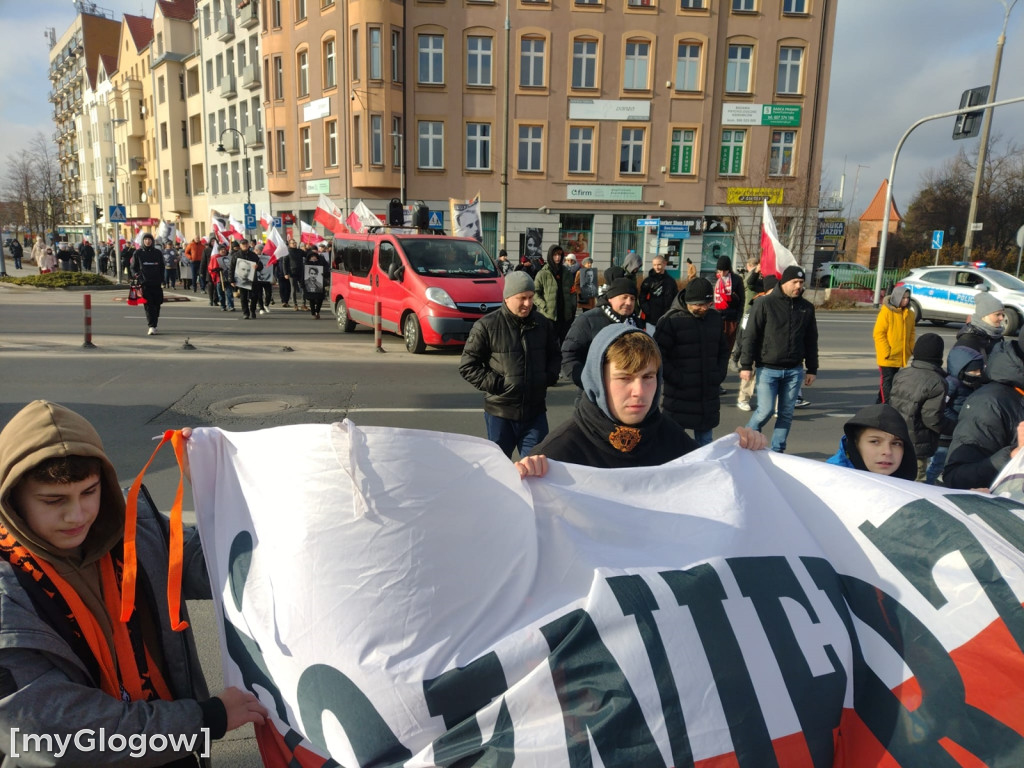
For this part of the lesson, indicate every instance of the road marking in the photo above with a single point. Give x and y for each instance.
(393, 410)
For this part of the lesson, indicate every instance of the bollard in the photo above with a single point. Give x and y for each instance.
(378, 341)
(87, 344)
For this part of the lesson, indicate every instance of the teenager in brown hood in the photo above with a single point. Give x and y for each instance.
(67, 661)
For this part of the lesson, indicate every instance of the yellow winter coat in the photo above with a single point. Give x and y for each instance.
(894, 334)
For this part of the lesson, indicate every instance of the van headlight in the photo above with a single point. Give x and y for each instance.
(439, 296)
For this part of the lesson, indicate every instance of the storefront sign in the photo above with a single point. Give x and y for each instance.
(609, 109)
(625, 193)
(781, 115)
(316, 109)
(753, 195)
(318, 187)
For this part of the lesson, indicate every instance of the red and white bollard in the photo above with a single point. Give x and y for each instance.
(378, 341)
(88, 322)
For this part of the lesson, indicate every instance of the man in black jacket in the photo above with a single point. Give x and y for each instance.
(512, 357)
(991, 425)
(781, 336)
(294, 270)
(658, 291)
(244, 278)
(147, 267)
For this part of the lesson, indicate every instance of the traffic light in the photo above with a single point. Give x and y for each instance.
(96, 217)
(968, 125)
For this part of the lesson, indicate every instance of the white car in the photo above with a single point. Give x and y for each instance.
(945, 294)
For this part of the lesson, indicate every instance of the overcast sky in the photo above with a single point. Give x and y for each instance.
(895, 61)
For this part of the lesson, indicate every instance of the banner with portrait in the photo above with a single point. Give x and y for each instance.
(466, 219)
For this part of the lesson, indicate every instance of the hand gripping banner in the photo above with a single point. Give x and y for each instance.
(405, 599)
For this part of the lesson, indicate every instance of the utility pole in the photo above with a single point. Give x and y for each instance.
(986, 128)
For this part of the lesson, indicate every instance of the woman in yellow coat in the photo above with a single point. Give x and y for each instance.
(894, 338)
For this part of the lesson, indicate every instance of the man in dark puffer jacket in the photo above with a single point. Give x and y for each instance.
(512, 356)
(988, 433)
(694, 357)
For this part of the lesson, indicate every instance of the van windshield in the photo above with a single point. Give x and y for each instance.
(448, 258)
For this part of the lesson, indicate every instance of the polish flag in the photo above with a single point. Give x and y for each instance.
(266, 220)
(138, 238)
(177, 236)
(330, 215)
(236, 228)
(362, 218)
(275, 246)
(775, 257)
(309, 235)
(219, 224)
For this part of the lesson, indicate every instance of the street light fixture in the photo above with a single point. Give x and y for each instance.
(245, 163)
(116, 121)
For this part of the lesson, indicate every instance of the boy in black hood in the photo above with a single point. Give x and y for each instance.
(877, 440)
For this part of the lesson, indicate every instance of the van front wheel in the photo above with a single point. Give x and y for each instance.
(345, 323)
(413, 335)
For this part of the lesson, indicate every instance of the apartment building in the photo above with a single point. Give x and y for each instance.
(229, 46)
(74, 58)
(96, 148)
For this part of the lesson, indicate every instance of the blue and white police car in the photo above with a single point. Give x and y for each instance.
(945, 294)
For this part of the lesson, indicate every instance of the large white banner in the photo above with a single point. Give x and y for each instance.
(402, 598)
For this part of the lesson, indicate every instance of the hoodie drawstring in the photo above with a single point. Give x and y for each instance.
(177, 544)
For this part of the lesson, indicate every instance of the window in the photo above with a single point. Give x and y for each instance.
(241, 56)
(431, 144)
(531, 62)
(281, 165)
(794, 6)
(167, 183)
(302, 65)
(184, 134)
(223, 178)
(478, 146)
(330, 70)
(160, 90)
(278, 78)
(206, 21)
(300, 10)
(581, 149)
(780, 158)
(478, 60)
(737, 71)
(730, 161)
(680, 160)
(357, 140)
(214, 183)
(376, 140)
(209, 75)
(331, 150)
(235, 178)
(397, 139)
(531, 139)
(246, 175)
(688, 66)
(188, 184)
(396, 56)
(790, 60)
(258, 171)
(354, 52)
(376, 60)
(275, 12)
(584, 63)
(634, 77)
(307, 148)
(742, 6)
(431, 59)
(163, 135)
(631, 151)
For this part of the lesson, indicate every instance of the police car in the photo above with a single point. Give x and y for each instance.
(945, 294)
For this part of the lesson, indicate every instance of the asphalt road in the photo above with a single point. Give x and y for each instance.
(288, 368)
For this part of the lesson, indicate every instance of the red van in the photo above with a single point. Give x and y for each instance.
(431, 288)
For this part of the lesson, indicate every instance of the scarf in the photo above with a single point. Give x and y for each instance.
(615, 317)
(723, 292)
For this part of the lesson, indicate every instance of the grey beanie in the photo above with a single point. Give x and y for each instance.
(984, 305)
(517, 282)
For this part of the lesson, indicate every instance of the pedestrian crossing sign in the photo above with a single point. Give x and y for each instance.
(436, 220)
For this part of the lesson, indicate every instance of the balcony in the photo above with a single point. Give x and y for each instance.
(228, 87)
(251, 77)
(248, 15)
(253, 136)
(137, 165)
(226, 28)
(230, 143)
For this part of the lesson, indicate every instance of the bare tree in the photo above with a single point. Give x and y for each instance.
(47, 180)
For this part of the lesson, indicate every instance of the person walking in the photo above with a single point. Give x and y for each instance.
(512, 356)
(729, 299)
(894, 338)
(781, 338)
(16, 253)
(585, 285)
(694, 360)
(87, 253)
(553, 292)
(316, 278)
(194, 253)
(657, 292)
(147, 267)
(295, 269)
(244, 265)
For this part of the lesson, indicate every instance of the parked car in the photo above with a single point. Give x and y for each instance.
(844, 274)
(946, 294)
(431, 288)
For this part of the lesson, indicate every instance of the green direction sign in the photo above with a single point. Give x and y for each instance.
(781, 115)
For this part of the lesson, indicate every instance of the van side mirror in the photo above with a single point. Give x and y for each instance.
(396, 271)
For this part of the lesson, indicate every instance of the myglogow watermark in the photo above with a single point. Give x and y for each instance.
(88, 740)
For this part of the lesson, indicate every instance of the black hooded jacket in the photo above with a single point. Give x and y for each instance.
(695, 357)
(919, 393)
(780, 333)
(987, 429)
(887, 419)
(657, 293)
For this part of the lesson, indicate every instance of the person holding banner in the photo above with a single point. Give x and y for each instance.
(244, 265)
(316, 276)
(77, 655)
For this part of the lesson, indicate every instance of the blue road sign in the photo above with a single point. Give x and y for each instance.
(674, 232)
(436, 220)
(648, 222)
(937, 236)
(250, 215)
(117, 214)
(278, 222)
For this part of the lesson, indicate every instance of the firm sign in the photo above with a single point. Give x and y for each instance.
(753, 195)
(779, 115)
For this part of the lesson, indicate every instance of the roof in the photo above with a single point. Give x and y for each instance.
(141, 30)
(876, 208)
(109, 62)
(185, 10)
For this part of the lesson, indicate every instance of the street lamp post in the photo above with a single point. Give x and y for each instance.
(400, 140)
(245, 163)
(117, 234)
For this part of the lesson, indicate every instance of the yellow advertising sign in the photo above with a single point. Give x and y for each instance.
(753, 195)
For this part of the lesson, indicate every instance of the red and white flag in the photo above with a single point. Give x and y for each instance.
(775, 257)
(266, 220)
(275, 246)
(219, 223)
(330, 216)
(361, 218)
(237, 228)
(138, 238)
(309, 235)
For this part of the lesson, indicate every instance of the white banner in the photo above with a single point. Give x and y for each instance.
(418, 604)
